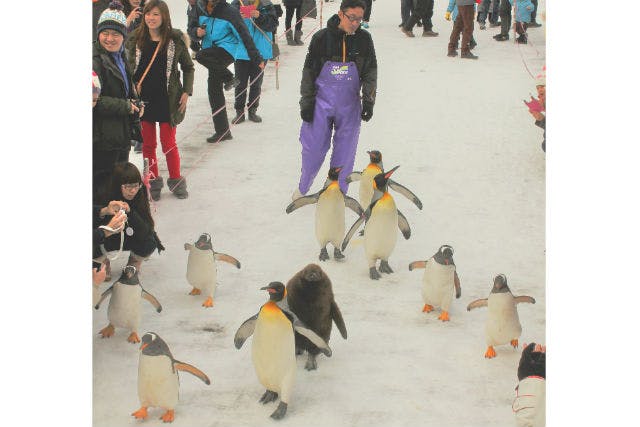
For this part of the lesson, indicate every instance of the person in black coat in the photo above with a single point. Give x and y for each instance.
(291, 7)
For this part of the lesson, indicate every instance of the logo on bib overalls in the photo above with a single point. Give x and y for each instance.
(339, 70)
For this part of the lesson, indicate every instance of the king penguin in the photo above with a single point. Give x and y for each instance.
(201, 267)
(380, 235)
(158, 381)
(503, 324)
(439, 281)
(273, 348)
(124, 305)
(331, 202)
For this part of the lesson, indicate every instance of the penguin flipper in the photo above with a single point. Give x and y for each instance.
(353, 204)
(417, 264)
(153, 300)
(403, 224)
(405, 192)
(219, 256)
(188, 246)
(302, 201)
(524, 298)
(477, 303)
(352, 231)
(336, 315)
(245, 331)
(316, 339)
(456, 283)
(353, 176)
(103, 296)
(181, 366)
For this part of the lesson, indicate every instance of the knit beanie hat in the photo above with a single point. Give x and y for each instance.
(113, 18)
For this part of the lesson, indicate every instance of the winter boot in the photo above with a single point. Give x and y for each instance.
(407, 32)
(178, 187)
(222, 136)
(452, 53)
(468, 55)
(522, 39)
(297, 38)
(253, 116)
(429, 33)
(290, 41)
(501, 37)
(239, 118)
(155, 187)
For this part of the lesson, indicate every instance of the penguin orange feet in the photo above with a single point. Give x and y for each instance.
(208, 302)
(141, 413)
(491, 353)
(133, 338)
(168, 416)
(195, 291)
(107, 332)
(514, 343)
(444, 316)
(427, 308)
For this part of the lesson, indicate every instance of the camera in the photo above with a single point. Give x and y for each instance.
(136, 131)
(141, 7)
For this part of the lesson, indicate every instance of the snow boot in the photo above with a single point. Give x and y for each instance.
(407, 32)
(297, 38)
(290, 41)
(253, 116)
(501, 37)
(222, 136)
(452, 53)
(522, 39)
(239, 118)
(468, 55)
(429, 33)
(155, 187)
(178, 187)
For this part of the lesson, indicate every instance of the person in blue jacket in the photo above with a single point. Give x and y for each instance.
(450, 15)
(262, 22)
(224, 35)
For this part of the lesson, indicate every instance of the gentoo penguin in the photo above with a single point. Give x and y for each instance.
(331, 202)
(439, 280)
(201, 267)
(365, 177)
(310, 297)
(503, 325)
(124, 305)
(380, 233)
(158, 377)
(273, 349)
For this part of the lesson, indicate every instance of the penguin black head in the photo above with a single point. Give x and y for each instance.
(204, 242)
(129, 275)
(334, 172)
(276, 291)
(382, 178)
(500, 284)
(444, 255)
(375, 156)
(152, 345)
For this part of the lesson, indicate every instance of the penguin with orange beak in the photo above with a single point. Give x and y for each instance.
(158, 381)
(439, 281)
(380, 231)
(330, 208)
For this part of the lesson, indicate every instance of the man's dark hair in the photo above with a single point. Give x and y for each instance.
(350, 4)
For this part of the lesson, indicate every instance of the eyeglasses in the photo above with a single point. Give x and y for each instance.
(132, 186)
(353, 18)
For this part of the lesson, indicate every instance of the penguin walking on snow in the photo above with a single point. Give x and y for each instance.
(201, 267)
(310, 297)
(331, 202)
(124, 309)
(158, 381)
(503, 324)
(380, 233)
(439, 281)
(273, 349)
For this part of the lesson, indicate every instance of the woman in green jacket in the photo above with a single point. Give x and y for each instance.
(154, 51)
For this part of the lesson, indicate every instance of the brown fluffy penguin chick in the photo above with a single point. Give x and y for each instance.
(310, 297)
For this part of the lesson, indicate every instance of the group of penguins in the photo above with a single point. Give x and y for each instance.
(298, 317)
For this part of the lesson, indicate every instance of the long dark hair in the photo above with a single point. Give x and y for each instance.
(128, 173)
(142, 32)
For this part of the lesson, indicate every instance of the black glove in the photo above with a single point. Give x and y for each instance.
(307, 114)
(367, 111)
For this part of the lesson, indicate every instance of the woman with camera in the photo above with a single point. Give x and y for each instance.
(116, 107)
(133, 12)
(154, 52)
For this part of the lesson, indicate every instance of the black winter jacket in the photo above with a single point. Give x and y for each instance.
(326, 45)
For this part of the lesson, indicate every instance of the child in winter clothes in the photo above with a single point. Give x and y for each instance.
(523, 17)
(462, 24)
(529, 404)
(451, 15)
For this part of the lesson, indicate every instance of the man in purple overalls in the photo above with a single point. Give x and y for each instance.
(341, 61)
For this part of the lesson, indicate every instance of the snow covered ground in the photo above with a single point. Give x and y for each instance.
(466, 146)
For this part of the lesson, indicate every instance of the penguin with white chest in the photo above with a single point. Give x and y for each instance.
(382, 219)
(330, 207)
(158, 381)
(439, 281)
(503, 324)
(124, 309)
(273, 348)
(201, 267)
